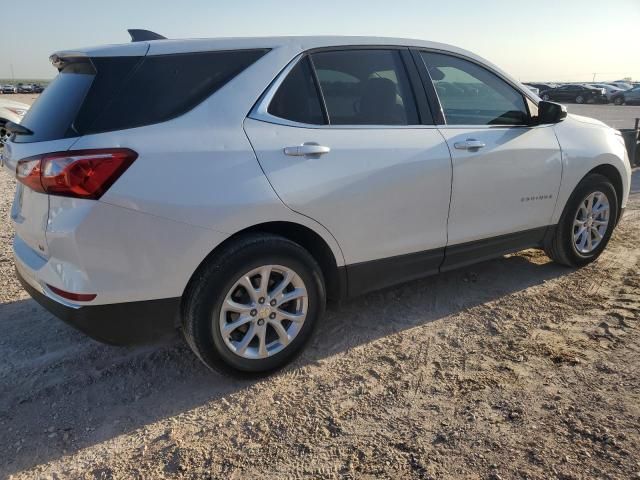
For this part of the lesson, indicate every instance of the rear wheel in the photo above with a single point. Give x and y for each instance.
(579, 99)
(586, 224)
(254, 305)
(618, 101)
(546, 97)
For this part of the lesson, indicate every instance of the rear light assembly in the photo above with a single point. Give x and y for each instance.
(78, 174)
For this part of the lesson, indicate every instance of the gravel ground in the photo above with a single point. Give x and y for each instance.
(513, 368)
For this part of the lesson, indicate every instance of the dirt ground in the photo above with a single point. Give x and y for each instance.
(513, 368)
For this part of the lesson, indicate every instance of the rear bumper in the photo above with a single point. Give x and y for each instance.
(116, 324)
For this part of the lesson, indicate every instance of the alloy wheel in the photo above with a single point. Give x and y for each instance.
(579, 99)
(591, 222)
(263, 312)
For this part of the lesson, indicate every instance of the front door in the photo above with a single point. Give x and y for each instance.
(506, 173)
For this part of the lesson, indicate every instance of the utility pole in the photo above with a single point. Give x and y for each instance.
(594, 77)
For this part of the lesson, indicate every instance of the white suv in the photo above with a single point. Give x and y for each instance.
(231, 186)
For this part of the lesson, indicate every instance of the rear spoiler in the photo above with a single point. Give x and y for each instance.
(138, 35)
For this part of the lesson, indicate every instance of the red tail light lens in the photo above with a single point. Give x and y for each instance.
(79, 174)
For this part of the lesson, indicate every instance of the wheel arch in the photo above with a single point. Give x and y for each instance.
(609, 171)
(334, 276)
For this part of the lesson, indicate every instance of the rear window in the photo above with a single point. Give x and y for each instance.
(117, 93)
(55, 110)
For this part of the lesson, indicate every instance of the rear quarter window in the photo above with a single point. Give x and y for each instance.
(116, 93)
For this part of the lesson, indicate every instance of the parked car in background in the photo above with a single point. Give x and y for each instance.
(287, 199)
(621, 84)
(627, 97)
(535, 90)
(37, 88)
(10, 111)
(542, 86)
(610, 90)
(575, 93)
(8, 89)
(24, 88)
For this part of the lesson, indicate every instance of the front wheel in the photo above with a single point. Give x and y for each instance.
(253, 305)
(586, 224)
(546, 97)
(618, 101)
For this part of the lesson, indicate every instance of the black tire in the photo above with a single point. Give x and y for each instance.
(580, 99)
(209, 286)
(559, 245)
(618, 101)
(546, 97)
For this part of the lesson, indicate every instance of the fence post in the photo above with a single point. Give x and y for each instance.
(634, 146)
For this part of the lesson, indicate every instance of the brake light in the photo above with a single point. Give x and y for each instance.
(79, 174)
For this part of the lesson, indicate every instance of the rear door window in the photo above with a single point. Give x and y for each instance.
(365, 87)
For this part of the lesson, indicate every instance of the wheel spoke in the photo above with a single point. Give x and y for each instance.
(596, 234)
(241, 347)
(582, 243)
(283, 336)
(292, 295)
(293, 317)
(230, 327)
(248, 286)
(233, 306)
(286, 280)
(265, 274)
(601, 223)
(262, 343)
(589, 241)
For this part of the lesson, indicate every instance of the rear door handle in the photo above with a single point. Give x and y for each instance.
(307, 149)
(469, 144)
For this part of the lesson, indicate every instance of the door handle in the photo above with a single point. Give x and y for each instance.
(306, 149)
(469, 144)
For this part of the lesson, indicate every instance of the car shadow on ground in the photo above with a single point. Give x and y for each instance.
(61, 392)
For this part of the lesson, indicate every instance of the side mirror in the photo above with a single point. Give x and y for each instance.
(551, 112)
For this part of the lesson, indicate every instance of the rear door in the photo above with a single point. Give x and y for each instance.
(506, 172)
(342, 140)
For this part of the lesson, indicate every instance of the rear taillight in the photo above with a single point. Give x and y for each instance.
(79, 174)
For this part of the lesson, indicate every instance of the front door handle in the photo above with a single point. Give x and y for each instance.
(469, 144)
(307, 149)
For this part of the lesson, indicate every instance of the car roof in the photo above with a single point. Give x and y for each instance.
(301, 43)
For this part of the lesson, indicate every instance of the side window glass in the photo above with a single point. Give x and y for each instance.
(365, 87)
(472, 95)
(297, 98)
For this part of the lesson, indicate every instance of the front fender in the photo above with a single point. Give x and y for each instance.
(587, 144)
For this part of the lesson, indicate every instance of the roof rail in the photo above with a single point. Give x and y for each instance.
(138, 35)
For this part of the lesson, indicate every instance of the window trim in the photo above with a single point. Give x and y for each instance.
(260, 109)
(441, 121)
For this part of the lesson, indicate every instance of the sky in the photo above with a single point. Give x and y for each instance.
(535, 40)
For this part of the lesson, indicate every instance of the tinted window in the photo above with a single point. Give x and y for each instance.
(297, 98)
(365, 87)
(471, 95)
(52, 114)
(116, 93)
(166, 86)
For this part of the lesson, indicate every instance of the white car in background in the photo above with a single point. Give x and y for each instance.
(610, 90)
(285, 171)
(10, 111)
